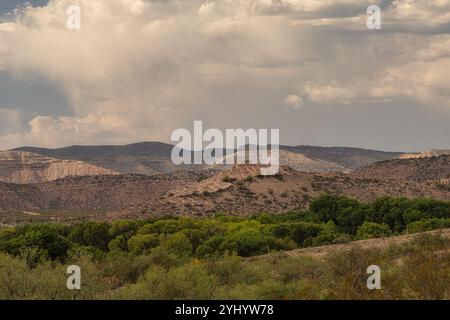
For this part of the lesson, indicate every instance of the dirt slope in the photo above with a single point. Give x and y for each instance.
(25, 167)
(323, 251)
(241, 191)
(89, 193)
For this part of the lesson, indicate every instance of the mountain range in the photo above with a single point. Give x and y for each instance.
(35, 165)
(138, 180)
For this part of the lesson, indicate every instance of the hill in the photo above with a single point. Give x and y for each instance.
(150, 158)
(26, 167)
(86, 194)
(350, 158)
(420, 169)
(50, 184)
(241, 191)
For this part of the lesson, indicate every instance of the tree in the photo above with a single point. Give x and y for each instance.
(166, 226)
(178, 244)
(210, 247)
(119, 243)
(327, 235)
(370, 230)
(95, 234)
(303, 232)
(47, 238)
(347, 214)
(142, 243)
(247, 242)
(427, 224)
(125, 228)
(389, 211)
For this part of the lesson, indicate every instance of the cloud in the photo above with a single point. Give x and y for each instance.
(294, 101)
(139, 69)
(328, 92)
(206, 9)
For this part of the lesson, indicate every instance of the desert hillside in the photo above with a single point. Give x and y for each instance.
(50, 183)
(26, 167)
(426, 154)
(242, 191)
(350, 158)
(149, 158)
(89, 193)
(419, 169)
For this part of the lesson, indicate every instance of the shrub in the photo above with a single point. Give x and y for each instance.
(95, 234)
(370, 230)
(427, 225)
(228, 179)
(142, 243)
(178, 244)
(125, 228)
(247, 242)
(249, 179)
(303, 232)
(347, 214)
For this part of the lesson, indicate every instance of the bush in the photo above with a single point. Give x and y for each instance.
(427, 225)
(370, 230)
(228, 179)
(178, 244)
(186, 282)
(95, 234)
(142, 243)
(302, 233)
(247, 242)
(328, 234)
(347, 214)
(125, 228)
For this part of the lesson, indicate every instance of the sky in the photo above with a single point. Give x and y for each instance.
(138, 69)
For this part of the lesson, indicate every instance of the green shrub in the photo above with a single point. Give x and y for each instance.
(370, 230)
(178, 243)
(142, 243)
(427, 225)
(247, 242)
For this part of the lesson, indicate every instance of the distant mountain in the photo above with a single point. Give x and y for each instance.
(297, 161)
(239, 190)
(420, 169)
(27, 167)
(350, 158)
(155, 150)
(149, 158)
(426, 154)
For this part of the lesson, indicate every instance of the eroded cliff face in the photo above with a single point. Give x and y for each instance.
(25, 168)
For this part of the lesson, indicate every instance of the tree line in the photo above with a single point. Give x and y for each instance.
(330, 219)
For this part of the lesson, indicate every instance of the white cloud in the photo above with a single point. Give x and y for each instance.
(328, 92)
(206, 9)
(294, 101)
(7, 27)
